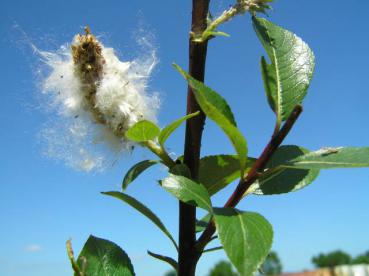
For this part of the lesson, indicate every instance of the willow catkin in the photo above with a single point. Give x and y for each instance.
(98, 97)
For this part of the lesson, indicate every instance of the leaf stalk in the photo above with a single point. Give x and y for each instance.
(160, 152)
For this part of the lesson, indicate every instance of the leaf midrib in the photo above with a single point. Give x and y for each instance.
(327, 163)
(243, 232)
(201, 199)
(184, 187)
(279, 88)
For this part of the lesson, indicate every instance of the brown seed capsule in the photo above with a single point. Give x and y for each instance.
(88, 67)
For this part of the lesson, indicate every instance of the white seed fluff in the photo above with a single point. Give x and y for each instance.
(121, 98)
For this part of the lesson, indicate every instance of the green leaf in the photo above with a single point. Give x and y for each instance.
(168, 130)
(166, 259)
(246, 237)
(143, 131)
(136, 170)
(329, 158)
(212, 98)
(288, 77)
(143, 210)
(203, 223)
(187, 191)
(217, 171)
(217, 109)
(217, 33)
(102, 257)
(284, 180)
(212, 249)
(180, 169)
(296, 167)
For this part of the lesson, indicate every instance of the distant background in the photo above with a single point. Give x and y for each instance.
(43, 203)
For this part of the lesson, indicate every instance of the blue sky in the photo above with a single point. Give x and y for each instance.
(43, 203)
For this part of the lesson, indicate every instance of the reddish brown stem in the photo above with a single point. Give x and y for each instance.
(252, 175)
(187, 214)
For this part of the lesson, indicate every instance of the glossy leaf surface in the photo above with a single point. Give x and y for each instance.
(102, 257)
(143, 131)
(287, 78)
(282, 179)
(329, 158)
(136, 170)
(216, 108)
(217, 171)
(187, 191)
(246, 238)
(168, 130)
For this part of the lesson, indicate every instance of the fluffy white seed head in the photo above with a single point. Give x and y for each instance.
(97, 98)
